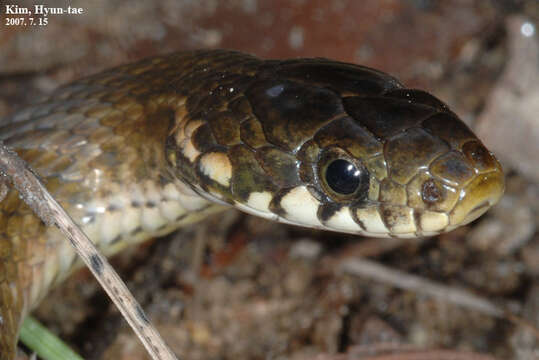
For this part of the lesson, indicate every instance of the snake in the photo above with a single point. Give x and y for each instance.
(139, 150)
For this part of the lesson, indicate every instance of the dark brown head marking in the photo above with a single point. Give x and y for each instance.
(479, 155)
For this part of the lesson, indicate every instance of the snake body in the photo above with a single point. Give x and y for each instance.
(142, 149)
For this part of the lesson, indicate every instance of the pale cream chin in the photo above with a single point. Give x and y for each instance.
(301, 209)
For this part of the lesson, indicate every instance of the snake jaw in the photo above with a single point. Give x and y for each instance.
(477, 177)
(480, 195)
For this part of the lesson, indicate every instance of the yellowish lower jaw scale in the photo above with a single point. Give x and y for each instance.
(477, 197)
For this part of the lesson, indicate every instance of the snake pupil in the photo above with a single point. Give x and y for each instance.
(343, 177)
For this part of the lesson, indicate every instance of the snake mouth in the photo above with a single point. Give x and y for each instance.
(477, 211)
(480, 207)
(480, 195)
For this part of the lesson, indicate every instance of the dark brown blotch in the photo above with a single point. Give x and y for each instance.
(452, 168)
(225, 128)
(479, 156)
(203, 139)
(449, 127)
(291, 113)
(326, 211)
(280, 166)
(275, 203)
(251, 133)
(349, 135)
(397, 218)
(385, 117)
(247, 174)
(410, 151)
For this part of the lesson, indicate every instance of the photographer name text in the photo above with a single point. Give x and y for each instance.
(42, 10)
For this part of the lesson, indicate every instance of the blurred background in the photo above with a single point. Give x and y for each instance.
(258, 290)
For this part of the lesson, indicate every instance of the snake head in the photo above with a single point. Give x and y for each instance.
(430, 173)
(340, 147)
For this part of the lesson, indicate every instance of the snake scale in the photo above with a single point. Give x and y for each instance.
(139, 150)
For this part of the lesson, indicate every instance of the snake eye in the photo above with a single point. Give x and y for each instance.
(345, 178)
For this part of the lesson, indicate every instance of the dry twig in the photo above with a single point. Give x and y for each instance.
(375, 271)
(372, 270)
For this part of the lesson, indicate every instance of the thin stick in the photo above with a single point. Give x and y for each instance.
(17, 172)
(370, 269)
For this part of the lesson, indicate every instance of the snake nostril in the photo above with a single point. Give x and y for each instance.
(430, 192)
